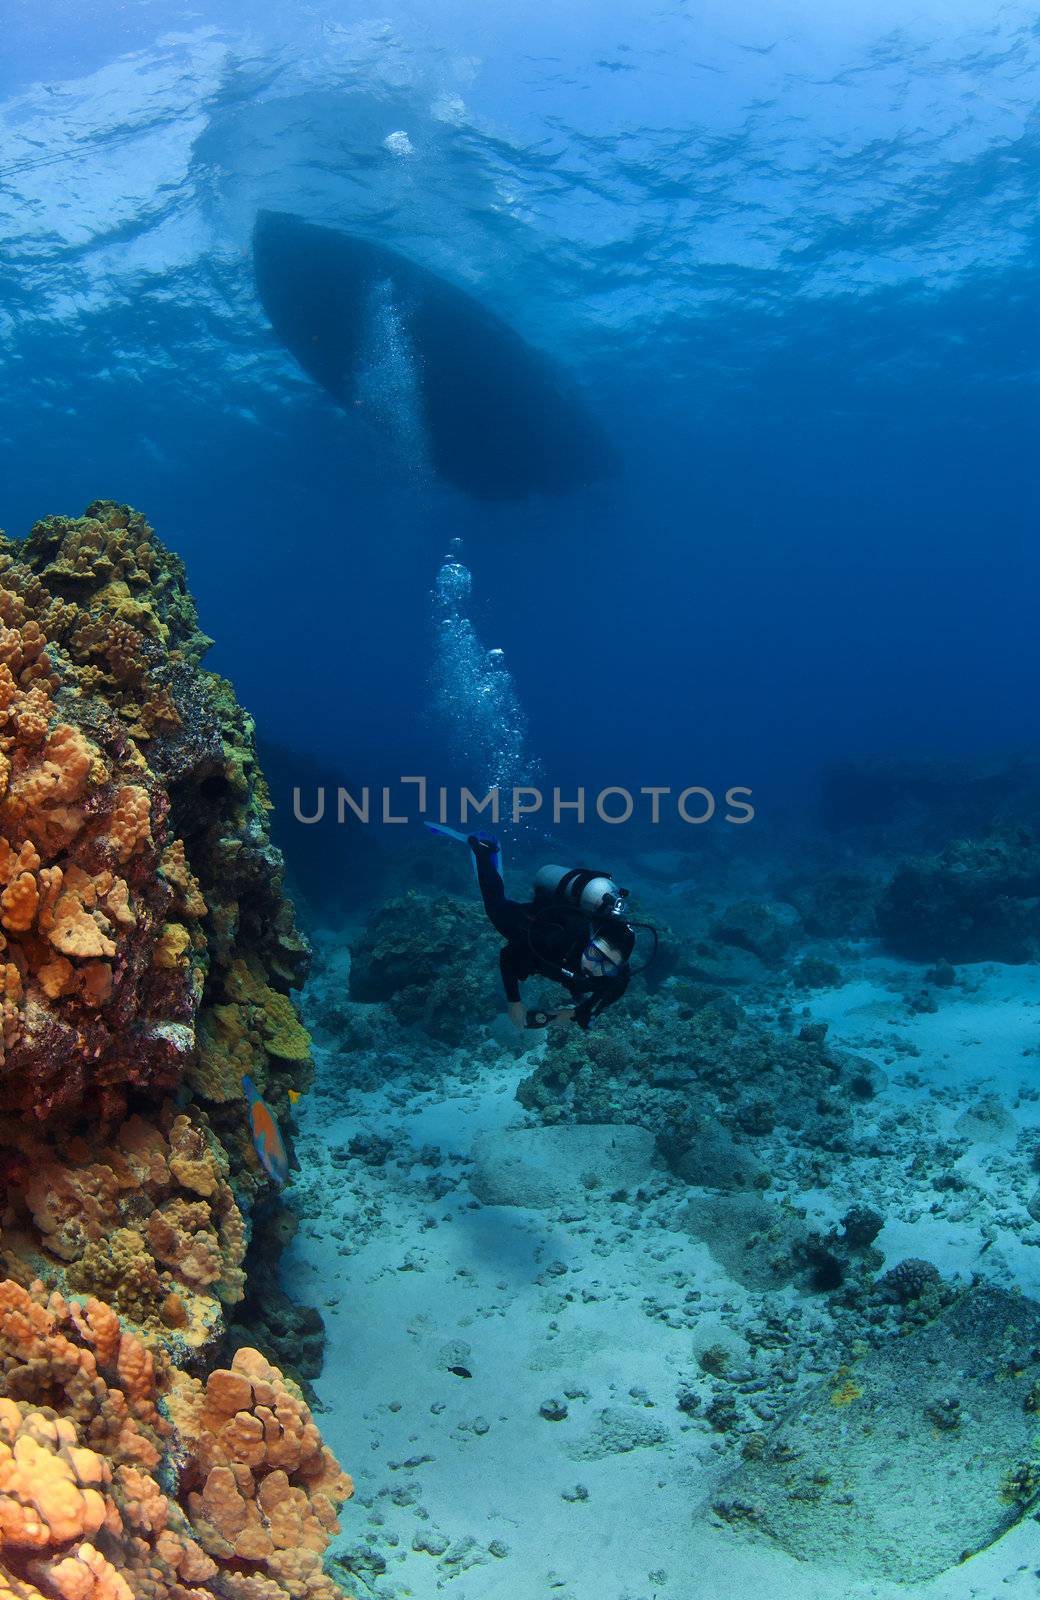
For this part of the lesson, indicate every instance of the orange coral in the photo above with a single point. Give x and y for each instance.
(150, 1215)
(110, 987)
(266, 1487)
(19, 903)
(130, 826)
(74, 925)
(175, 869)
(42, 815)
(84, 1448)
(85, 1575)
(45, 785)
(46, 1493)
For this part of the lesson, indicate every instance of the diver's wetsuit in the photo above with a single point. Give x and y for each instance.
(546, 939)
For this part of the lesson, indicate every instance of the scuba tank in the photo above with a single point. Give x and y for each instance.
(594, 894)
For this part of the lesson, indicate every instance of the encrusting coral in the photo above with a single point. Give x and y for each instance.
(147, 954)
(123, 1478)
(136, 874)
(147, 1217)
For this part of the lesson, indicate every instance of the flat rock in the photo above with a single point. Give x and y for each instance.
(616, 1431)
(712, 1159)
(705, 961)
(911, 1459)
(753, 1239)
(541, 1167)
(988, 1121)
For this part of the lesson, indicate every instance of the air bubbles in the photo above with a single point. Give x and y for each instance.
(451, 590)
(474, 697)
(386, 387)
(398, 143)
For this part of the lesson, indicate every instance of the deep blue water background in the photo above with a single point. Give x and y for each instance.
(792, 259)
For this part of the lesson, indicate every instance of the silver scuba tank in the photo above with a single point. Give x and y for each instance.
(592, 893)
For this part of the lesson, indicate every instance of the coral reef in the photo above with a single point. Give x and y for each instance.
(831, 904)
(766, 930)
(149, 1222)
(140, 890)
(976, 901)
(917, 805)
(147, 955)
(124, 1478)
(432, 960)
(705, 1079)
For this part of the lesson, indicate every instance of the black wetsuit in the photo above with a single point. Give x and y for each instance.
(545, 939)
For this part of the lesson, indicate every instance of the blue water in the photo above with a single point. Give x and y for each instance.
(789, 255)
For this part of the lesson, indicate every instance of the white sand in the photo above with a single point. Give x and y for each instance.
(410, 1284)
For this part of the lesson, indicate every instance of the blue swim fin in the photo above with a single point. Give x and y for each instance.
(462, 838)
(449, 833)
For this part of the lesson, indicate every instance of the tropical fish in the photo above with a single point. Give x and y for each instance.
(498, 418)
(267, 1139)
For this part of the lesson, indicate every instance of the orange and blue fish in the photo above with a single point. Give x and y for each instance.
(267, 1138)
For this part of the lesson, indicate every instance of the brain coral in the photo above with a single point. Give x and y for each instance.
(147, 959)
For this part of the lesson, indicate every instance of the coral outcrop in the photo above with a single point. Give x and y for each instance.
(707, 1081)
(433, 961)
(147, 959)
(124, 1478)
(140, 890)
(976, 901)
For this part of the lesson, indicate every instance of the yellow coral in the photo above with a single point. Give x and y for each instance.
(175, 869)
(171, 946)
(225, 1052)
(120, 1267)
(846, 1390)
(283, 1033)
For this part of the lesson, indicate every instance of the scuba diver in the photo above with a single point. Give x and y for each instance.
(572, 932)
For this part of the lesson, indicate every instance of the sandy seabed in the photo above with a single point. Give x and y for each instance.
(506, 1341)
